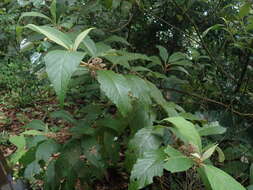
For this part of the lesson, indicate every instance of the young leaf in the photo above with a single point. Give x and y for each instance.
(34, 14)
(60, 65)
(220, 180)
(186, 131)
(221, 156)
(163, 53)
(80, 38)
(116, 89)
(178, 164)
(208, 153)
(53, 34)
(149, 166)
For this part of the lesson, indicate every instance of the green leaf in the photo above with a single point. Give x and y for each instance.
(149, 166)
(34, 14)
(36, 125)
(46, 149)
(211, 129)
(90, 46)
(186, 131)
(208, 153)
(221, 156)
(33, 133)
(53, 34)
(80, 38)
(250, 187)
(18, 141)
(116, 88)
(145, 140)
(139, 89)
(244, 10)
(115, 38)
(53, 10)
(178, 164)
(219, 180)
(163, 53)
(170, 151)
(177, 57)
(251, 174)
(62, 114)
(60, 65)
(31, 170)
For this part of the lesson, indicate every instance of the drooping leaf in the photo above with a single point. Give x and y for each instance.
(34, 14)
(115, 38)
(149, 166)
(53, 34)
(80, 38)
(116, 89)
(220, 180)
(221, 156)
(178, 164)
(186, 131)
(177, 57)
(60, 65)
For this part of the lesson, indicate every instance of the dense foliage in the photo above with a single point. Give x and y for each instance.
(158, 93)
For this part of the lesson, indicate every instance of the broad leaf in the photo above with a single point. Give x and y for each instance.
(219, 180)
(116, 88)
(31, 170)
(163, 53)
(186, 131)
(170, 151)
(211, 129)
(80, 38)
(90, 46)
(145, 140)
(149, 166)
(46, 149)
(178, 164)
(53, 34)
(60, 65)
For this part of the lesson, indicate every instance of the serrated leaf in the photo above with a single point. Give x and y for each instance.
(163, 53)
(80, 38)
(46, 149)
(34, 14)
(219, 180)
(60, 65)
(149, 166)
(178, 164)
(53, 34)
(116, 88)
(186, 131)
